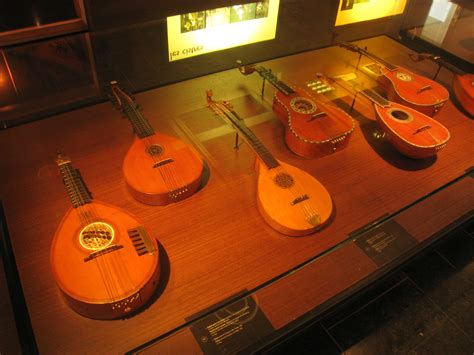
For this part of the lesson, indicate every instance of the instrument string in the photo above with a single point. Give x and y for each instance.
(172, 180)
(296, 190)
(88, 217)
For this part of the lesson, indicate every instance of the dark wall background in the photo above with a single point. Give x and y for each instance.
(107, 14)
(129, 43)
(130, 38)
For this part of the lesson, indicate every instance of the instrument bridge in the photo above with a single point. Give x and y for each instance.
(424, 88)
(299, 199)
(163, 162)
(317, 115)
(101, 252)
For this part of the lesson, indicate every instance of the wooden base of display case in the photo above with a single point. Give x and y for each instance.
(215, 245)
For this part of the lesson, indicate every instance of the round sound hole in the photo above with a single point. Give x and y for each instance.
(97, 235)
(155, 149)
(404, 76)
(284, 180)
(400, 115)
(302, 105)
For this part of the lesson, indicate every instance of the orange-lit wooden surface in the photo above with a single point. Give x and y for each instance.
(215, 242)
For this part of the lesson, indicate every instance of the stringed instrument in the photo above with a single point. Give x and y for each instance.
(403, 86)
(158, 169)
(290, 200)
(103, 260)
(411, 132)
(463, 83)
(313, 127)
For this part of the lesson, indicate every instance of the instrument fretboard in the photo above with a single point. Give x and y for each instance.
(374, 97)
(372, 56)
(263, 153)
(130, 108)
(140, 124)
(75, 186)
(280, 85)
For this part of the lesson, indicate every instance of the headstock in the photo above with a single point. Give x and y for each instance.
(218, 107)
(418, 57)
(118, 96)
(350, 46)
(246, 69)
(61, 160)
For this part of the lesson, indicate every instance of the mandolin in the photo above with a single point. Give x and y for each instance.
(158, 169)
(103, 260)
(406, 87)
(313, 127)
(463, 83)
(411, 132)
(290, 200)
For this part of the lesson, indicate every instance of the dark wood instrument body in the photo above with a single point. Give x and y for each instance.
(307, 134)
(463, 86)
(412, 133)
(177, 178)
(112, 285)
(276, 201)
(413, 90)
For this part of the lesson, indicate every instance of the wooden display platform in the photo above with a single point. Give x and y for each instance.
(215, 244)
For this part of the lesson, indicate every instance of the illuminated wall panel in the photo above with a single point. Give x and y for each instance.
(212, 30)
(353, 11)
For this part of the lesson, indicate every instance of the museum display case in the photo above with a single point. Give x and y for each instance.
(268, 177)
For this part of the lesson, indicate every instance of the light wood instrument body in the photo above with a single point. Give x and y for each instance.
(412, 133)
(102, 259)
(290, 200)
(463, 86)
(312, 128)
(413, 90)
(280, 204)
(158, 169)
(108, 282)
(161, 169)
(405, 87)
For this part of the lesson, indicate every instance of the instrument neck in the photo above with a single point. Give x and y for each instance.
(280, 85)
(141, 126)
(375, 98)
(75, 186)
(262, 152)
(379, 60)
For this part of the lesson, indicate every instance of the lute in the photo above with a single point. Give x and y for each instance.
(313, 127)
(403, 86)
(290, 200)
(158, 169)
(103, 260)
(411, 132)
(463, 83)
